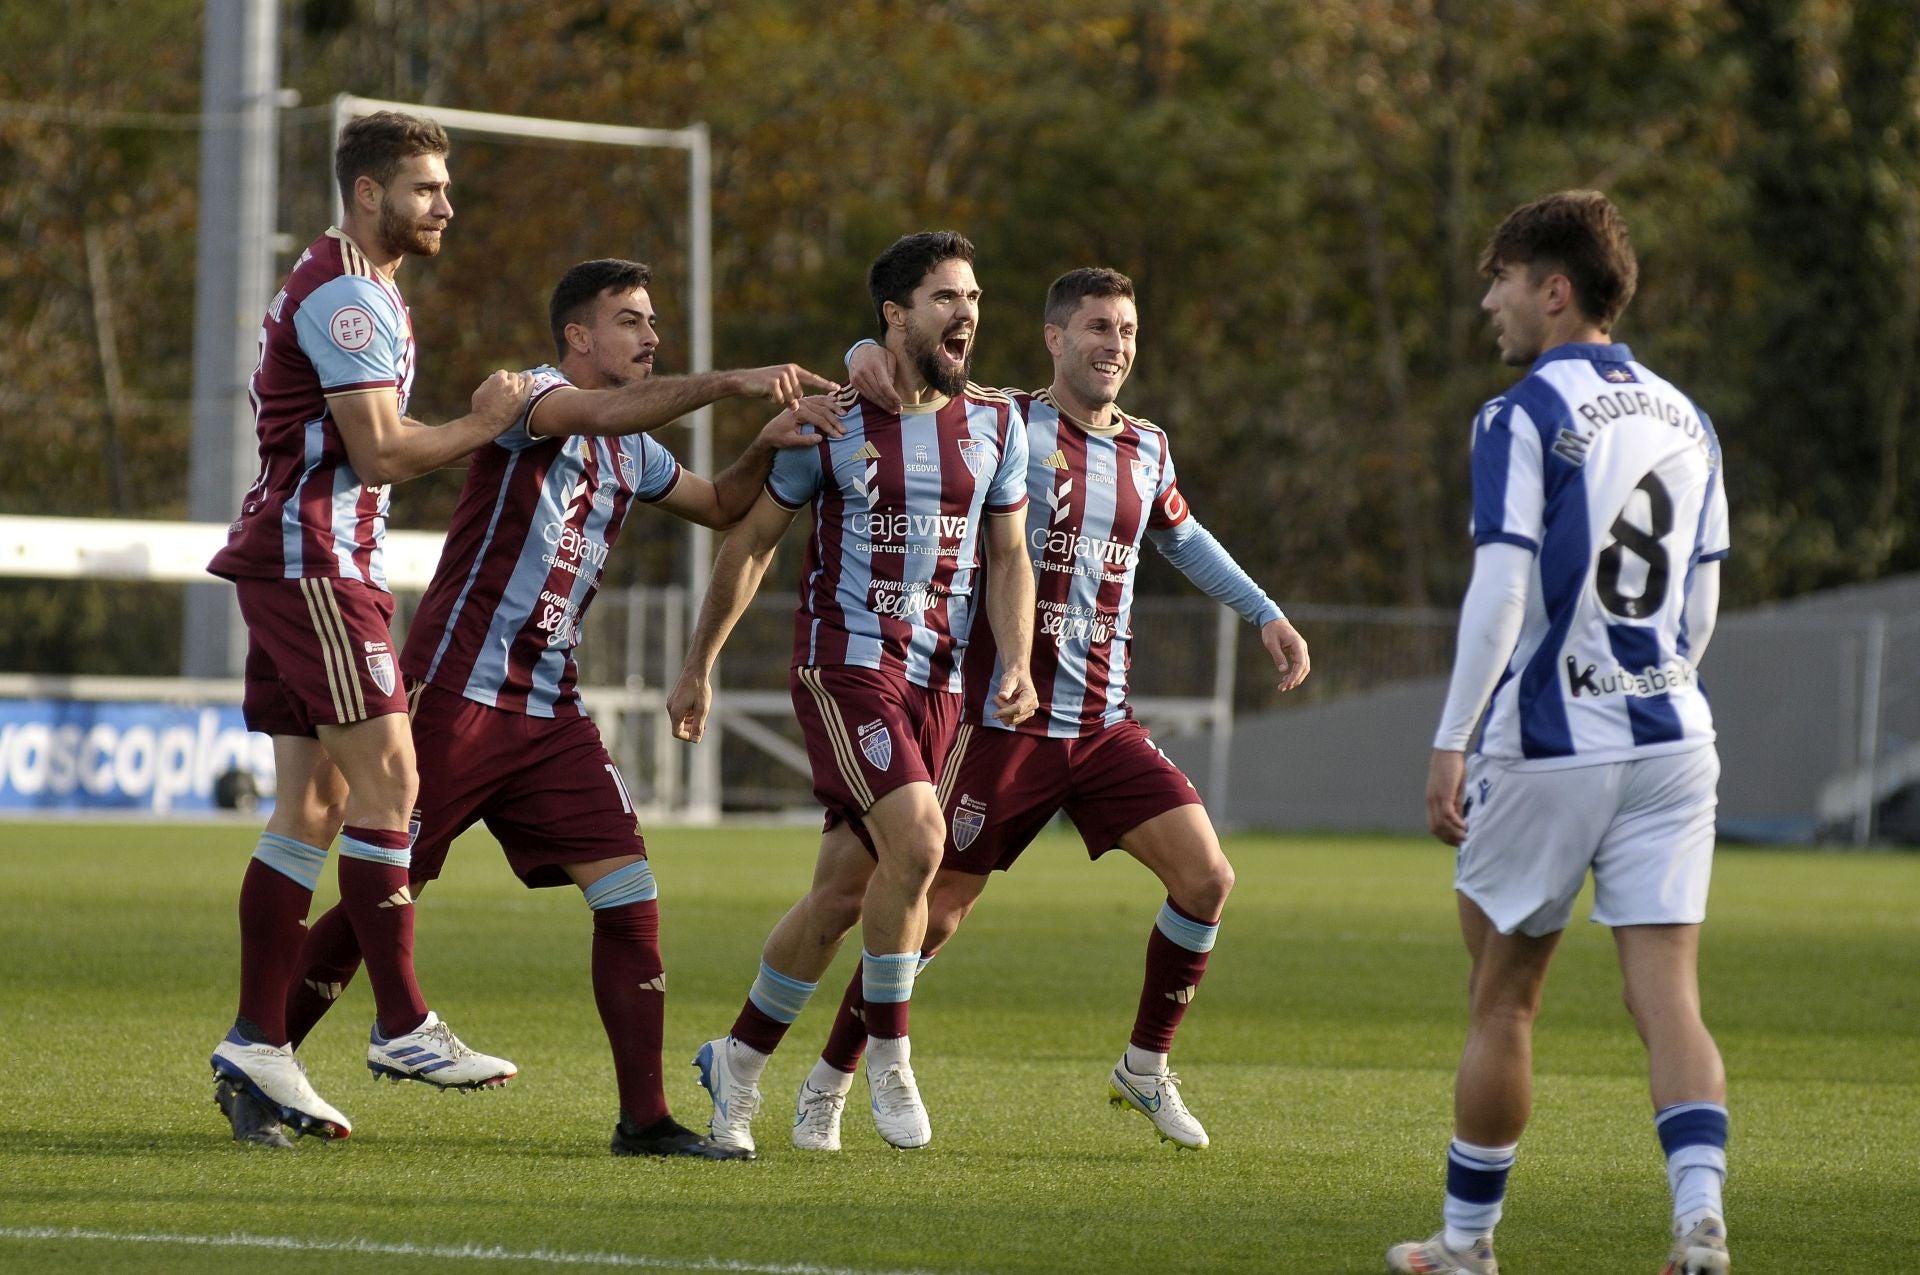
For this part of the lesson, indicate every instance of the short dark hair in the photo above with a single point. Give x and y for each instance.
(896, 272)
(1075, 286)
(377, 144)
(581, 286)
(1580, 233)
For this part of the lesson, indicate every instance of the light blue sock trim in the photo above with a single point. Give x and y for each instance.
(1191, 935)
(297, 861)
(779, 997)
(354, 848)
(921, 968)
(631, 884)
(888, 979)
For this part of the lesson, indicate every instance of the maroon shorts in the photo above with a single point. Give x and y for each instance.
(545, 787)
(1001, 788)
(319, 653)
(867, 734)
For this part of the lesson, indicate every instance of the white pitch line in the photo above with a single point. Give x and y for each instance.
(459, 1252)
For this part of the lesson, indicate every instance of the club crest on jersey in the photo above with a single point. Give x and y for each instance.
(351, 328)
(1142, 477)
(380, 669)
(627, 472)
(972, 452)
(968, 821)
(876, 742)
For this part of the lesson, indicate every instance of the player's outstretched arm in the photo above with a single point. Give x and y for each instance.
(1206, 563)
(385, 448)
(1010, 603)
(727, 499)
(737, 572)
(653, 401)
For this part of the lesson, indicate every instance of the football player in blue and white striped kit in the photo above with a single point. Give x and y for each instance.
(1600, 520)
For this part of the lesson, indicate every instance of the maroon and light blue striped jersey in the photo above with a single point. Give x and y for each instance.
(1093, 496)
(338, 325)
(536, 519)
(897, 506)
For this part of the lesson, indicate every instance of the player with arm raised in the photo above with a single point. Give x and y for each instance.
(1600, 519)
(500, 731)
(905, 506)
(1099, 482)
(330, 394)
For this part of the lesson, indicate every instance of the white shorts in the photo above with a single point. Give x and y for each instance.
(1645, 827)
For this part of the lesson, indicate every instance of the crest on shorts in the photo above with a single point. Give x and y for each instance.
(876, 741)
(967, 824)
(1142, 478)
(972, 452)
(380, 669)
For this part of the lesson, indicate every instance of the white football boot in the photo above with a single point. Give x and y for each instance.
(1701, 1251)
(1158, 1099)
(1433, 1257)
(273, 1075)
(254, 1122)
(898, 1113)
(816, 1118)
(735, 1101)
(432, 1053)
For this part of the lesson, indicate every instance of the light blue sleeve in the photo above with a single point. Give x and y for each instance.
(1009, 490)
(1201, 559)
(659, 471)
(798, 475)
(352, 333)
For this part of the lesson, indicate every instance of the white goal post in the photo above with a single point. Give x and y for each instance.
(703, 778)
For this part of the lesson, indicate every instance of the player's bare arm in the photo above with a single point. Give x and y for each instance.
(725, 500)
(1010, 603)
(653, 401)
(385, 448)
(737, 572)
(1288, 651)
(870, 368)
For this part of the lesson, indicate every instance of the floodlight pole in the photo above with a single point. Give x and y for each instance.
(239, 163)
(703, 764)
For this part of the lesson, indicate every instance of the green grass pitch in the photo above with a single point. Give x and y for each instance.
(1319, 1054)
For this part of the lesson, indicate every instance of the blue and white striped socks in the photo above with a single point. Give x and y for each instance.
(1694, 1136)
(1476, 1191)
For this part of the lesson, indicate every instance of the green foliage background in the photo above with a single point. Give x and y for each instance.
(1300, 191)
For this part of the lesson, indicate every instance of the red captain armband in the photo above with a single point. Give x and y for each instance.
(1170, 510)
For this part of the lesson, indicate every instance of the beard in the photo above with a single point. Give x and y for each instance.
(402, 235)
(936, 371)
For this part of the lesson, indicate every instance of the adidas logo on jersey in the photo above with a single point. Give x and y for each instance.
(1056, 461)
(869, 452)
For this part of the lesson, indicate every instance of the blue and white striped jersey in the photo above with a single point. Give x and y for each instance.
(1612, 477)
